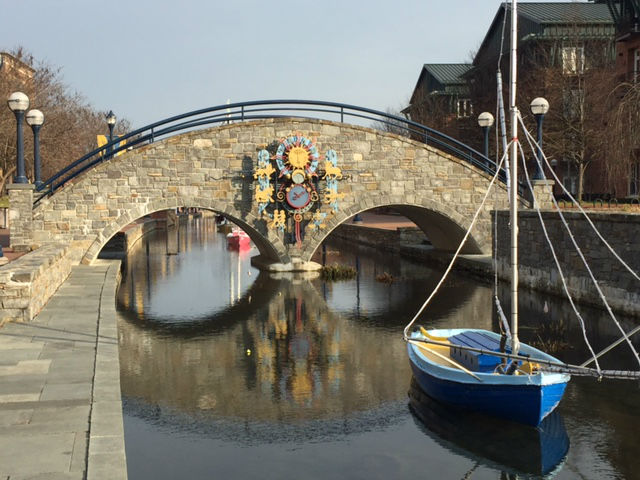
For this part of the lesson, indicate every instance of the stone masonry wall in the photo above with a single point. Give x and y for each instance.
(21, 215)
(27, 283)
(538, 269)
(213, 169)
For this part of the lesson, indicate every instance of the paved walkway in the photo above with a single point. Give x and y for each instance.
(60, 405)
(384, 221)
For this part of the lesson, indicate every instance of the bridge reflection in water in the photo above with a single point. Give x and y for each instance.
(227, 370)
(205, 332)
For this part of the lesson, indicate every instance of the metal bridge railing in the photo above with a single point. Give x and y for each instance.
(263, 109)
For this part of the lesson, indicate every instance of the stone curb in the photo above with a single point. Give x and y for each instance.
(106, 452)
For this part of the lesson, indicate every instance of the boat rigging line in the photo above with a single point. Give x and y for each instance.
(405, 332)
(556, 367)
(578, 250)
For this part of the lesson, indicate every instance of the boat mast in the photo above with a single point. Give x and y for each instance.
(513, 204)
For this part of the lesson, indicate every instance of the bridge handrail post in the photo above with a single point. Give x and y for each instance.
(152, 139)
(341, 114)
(242, 113)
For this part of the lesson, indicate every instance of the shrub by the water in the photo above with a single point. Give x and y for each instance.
(337, 272)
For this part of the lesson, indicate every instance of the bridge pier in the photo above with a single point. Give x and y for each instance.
(295, 265)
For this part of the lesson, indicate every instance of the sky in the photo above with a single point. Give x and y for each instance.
(150, 59)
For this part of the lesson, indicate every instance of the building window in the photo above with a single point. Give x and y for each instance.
(464, 108)
(570, 180)
(572, 60)
(636, 66)
(634, 180)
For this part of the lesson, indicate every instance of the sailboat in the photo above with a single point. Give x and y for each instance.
(481, 370)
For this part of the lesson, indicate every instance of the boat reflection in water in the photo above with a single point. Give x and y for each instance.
(507, 446)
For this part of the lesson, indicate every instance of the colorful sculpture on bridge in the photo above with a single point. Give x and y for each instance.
(303, 198)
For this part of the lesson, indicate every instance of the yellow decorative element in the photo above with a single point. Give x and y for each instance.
(103, 140)
(331, 197)
(331, 171)
(264, 172)
(279, 217)
(298, 157)
(264, 196)
(318, 217)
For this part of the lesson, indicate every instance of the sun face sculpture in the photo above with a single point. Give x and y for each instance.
(300, 193)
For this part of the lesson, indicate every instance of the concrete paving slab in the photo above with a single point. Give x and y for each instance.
(12, 357)
(50, 476)
(26, 367)
(19, 397)
(20, 384)
(70, 418)
(15, 417)
(50, 408)
(53, 453)
(66, 391)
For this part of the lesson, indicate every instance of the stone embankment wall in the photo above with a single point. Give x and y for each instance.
(538, 269)
(391, 240)
(27, 283)
(121, 242)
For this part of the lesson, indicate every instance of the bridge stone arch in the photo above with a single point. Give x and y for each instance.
(213, 169)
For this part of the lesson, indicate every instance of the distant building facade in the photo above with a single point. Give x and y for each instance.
(15, 71)
(441, 98)
(626, 15)
(560, 45)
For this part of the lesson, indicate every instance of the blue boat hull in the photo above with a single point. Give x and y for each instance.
(507, 446)
(526, 399)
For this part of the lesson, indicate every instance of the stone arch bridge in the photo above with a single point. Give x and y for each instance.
(213, 169)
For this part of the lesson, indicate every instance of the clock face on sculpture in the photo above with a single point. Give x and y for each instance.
(298, 197)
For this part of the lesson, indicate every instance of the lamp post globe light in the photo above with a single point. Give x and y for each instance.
(539, 107)
(35, 119)
(18, 103)
(485, 121)
(111, 122)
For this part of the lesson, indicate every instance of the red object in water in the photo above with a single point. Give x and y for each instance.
(238, 240)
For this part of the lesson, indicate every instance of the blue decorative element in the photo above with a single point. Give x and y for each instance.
(332, 174)
(263, 175)
(523, 398)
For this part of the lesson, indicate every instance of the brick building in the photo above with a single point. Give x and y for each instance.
(441, 98)
(565, 49)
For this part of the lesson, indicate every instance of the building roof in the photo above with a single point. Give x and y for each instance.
(547, 20)
(448, 73)
(565, 12)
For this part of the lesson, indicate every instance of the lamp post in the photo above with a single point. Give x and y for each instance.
(18, 103)
(485, 121)
(539, 107)
(35, 119)
(111, 121)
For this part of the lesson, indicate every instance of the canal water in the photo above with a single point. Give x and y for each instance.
(227, 372)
